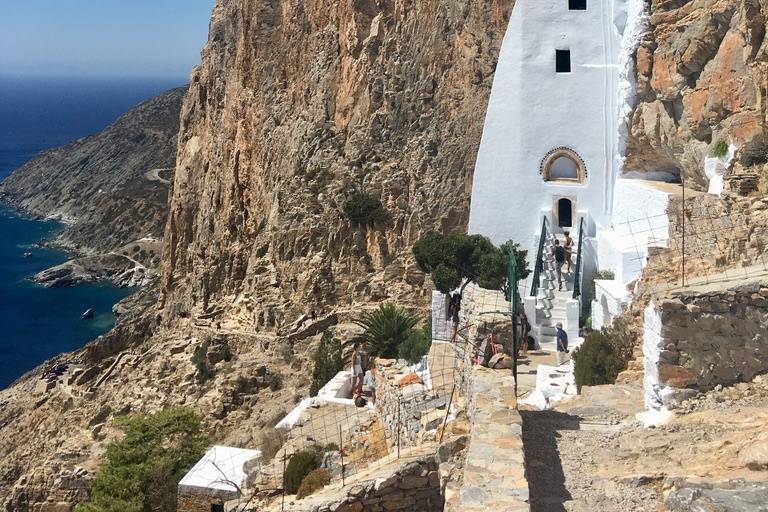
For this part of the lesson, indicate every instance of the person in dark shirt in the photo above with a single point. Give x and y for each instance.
(562, 344)
(558, 251)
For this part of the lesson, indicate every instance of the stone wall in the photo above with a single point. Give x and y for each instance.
(413, 486)
(720, 233)
(406, 403)
(198, 502)
(704, 337)
(494, 470)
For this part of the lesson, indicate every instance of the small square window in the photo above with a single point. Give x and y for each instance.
(563, 61)
(577, 5)
(217, 507)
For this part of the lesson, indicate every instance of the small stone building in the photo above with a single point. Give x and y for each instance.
(216, 478)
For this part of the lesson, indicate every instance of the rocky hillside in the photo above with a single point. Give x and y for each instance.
(110, 188)
(295, 107)
(701, 72)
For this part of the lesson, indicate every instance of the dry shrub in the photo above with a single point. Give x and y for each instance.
(314, 481)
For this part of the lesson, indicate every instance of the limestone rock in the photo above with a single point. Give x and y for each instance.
(699, 70)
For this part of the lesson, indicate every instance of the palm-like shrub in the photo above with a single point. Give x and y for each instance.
(385, 328)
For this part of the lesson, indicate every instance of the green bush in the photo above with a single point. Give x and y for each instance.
(721, 149)
(328, 362)
(141, 472)
(314, 481)
(596, 362)
(385, 329)
(276, 382)
(415, 346)
(301, 464)
(600, 274)
(365, 210)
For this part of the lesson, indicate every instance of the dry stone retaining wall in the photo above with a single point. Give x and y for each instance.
(704, 339)
(413, 408)
(415, 486)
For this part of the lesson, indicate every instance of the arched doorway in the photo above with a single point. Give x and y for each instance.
(564, 213)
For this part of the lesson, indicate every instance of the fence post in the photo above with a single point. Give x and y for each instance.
(447, 412)
(282, 505)
(341, 452)
(398, 427)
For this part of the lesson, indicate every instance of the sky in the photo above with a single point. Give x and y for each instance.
(121, 38)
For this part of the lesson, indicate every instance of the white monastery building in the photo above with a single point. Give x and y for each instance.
(552, 152)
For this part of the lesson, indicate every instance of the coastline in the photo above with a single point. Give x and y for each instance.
(43, 324)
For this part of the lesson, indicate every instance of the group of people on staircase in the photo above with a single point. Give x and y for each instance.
(563, 254)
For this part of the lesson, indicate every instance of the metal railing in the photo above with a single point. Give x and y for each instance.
(539, 258)
(577, 274)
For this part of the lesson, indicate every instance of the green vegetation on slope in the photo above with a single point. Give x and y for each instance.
(141, 472)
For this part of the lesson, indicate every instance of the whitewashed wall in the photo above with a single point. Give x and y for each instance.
(652, 346)
(533, 110)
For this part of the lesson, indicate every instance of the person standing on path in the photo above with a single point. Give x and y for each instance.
(562, 344)
(357, 369)
(558, 251)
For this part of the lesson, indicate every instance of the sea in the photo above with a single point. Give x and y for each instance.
(38, 113)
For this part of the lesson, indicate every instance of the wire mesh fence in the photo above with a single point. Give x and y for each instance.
(701, 241)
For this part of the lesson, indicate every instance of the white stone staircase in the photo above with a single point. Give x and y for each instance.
(551, 302)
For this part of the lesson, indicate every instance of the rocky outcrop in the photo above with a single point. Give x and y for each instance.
(296, 106)
(701, 78)
(110, 188)
(132, 265)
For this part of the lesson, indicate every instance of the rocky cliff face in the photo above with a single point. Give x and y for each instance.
(110, 188)
(701, 72)
(295, 106)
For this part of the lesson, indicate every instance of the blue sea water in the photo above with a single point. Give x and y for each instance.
(38, 113)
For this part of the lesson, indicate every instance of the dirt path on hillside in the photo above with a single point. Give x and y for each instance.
(591, 455)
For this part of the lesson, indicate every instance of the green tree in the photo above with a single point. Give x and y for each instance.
(365, 210)
(141, 472)
(328, 362)
(385, 329)
(457, 259)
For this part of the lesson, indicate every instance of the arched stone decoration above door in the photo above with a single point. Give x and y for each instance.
(563, 165)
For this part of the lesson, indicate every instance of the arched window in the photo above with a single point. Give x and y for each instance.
(563, 165)
(563, 168)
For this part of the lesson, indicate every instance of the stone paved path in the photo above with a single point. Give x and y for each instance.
(494, 472)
